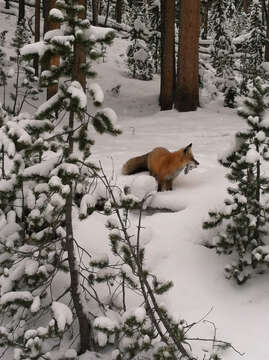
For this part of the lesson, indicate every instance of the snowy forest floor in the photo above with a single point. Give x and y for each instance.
(174, 247)
(174, 250)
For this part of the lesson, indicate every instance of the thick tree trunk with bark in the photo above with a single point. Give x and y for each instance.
(119, 10)
(95, 8)
(54, 60)
(21, 14)
(37, 33)
(167, 54)
(187, 94)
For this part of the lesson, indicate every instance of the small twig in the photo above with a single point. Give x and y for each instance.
(225, 343)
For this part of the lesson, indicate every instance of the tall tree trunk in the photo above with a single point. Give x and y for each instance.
(107, 11)
(245, 5)
(205, 20)
(55, 59)
(80, 57)
(37, 33)
(119, 10)
(265, 9)
(85, 329)
(167, 91)
(46, 6)
(95, 6)
(21, 14)
(187, 94)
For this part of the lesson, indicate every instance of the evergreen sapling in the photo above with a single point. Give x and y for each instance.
(243, 221)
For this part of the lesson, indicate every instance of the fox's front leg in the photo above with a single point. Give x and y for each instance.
(168, 185)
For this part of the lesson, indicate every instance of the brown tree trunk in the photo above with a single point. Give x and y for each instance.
(95, 6)
(167, 54)
(80, 57)
(265, 9)
(205, 20)
(119, 10)
(37, 33)
(245, 5)
(46, 6)
(187, 94)
(21, 14)
(85, 329)
(55, 59)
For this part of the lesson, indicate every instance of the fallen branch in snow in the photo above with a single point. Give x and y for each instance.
(221, 342)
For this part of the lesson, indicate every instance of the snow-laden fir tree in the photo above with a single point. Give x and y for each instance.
(139, 58)
(147, 331)
(256, 41)
(154, 12)
(45, 179)
(222, 52)
(243, 221)
(25, 86)
(252, 48)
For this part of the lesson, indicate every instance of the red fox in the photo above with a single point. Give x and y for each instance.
(162, 164)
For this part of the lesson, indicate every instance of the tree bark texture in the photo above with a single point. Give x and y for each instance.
(37, 33)
(245, 5)
(187, 94)
(80, 57)
(55, 59)
(95, 8)
(45, 6)
(119, 10)
(205, 20)
(265, 9)
(21, 14)
(167, 54)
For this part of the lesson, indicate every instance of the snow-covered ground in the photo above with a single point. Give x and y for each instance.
(174, 247)
(174, 250)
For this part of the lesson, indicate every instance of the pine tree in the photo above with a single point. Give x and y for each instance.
(139, 58)
(154, 11)
(25, 82)
(244, 217)
(256, 41)
(222, 53)
(48, 177)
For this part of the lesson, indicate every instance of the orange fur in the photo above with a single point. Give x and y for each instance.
(162, 164)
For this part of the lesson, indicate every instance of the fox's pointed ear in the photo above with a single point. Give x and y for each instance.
(187, 148)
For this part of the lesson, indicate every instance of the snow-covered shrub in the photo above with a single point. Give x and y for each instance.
(243, 220)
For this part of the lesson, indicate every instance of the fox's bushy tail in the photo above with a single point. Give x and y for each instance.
(135, 165)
